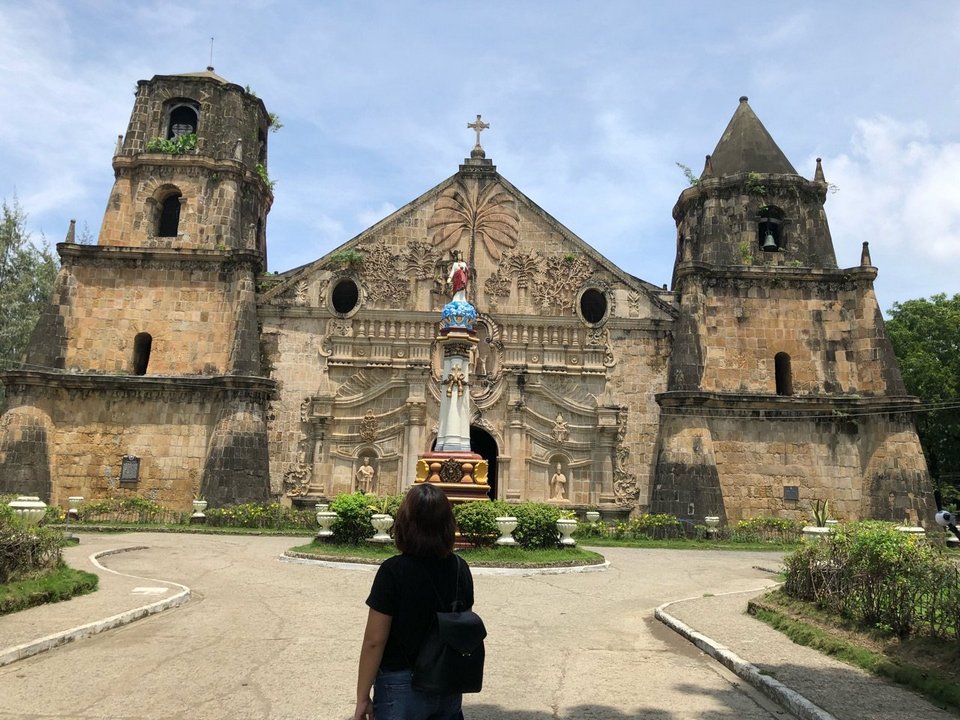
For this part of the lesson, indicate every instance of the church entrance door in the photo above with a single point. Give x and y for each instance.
(483, 443)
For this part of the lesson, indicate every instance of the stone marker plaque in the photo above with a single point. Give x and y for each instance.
(129, 469)
(791, 492)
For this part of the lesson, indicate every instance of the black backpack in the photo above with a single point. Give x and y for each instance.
(451, 658)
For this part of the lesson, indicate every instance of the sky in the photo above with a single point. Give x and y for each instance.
(592, 105)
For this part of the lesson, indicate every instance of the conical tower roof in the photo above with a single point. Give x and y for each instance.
(746, 146)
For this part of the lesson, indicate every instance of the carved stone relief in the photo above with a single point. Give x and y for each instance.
(369, 426)
(488, 214)
(625, 488)
(562, 278)
(381, 276)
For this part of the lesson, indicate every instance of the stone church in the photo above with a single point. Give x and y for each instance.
(169, 363)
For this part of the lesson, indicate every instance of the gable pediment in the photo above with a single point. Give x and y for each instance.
(523, 261)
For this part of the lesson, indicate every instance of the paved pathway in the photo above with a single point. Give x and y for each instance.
(261, 638)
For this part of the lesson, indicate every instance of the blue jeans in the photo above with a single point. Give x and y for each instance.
(395, 699)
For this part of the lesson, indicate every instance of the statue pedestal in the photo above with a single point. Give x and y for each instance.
(461, 475)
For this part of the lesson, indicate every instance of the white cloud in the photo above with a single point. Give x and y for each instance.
(898, 190)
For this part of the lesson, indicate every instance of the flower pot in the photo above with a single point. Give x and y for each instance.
(381, 523)
(74, 506)
(712, 521)
(593, 516)
(325, 519)
(322, 507)
(506, 525)
(815, 533)
(29, 508)
(566, 527)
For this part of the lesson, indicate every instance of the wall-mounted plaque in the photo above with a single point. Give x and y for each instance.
(129, 469)
(791, 492)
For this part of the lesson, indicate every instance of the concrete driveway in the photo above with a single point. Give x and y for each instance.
(262, 638)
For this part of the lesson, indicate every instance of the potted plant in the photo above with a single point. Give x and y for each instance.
(566, 526)
(506, 524)
(821, 512)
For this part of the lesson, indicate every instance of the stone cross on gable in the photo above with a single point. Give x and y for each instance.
(479, 126)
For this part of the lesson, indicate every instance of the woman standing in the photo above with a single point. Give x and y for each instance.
(407, 593)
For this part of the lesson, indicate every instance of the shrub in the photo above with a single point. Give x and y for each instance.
(125, 509)
(179, 145)
(260, 515)
(766, 529)
(879, 577)
(536, 525)
(384, 504)
(477, 523)
(25, 549)
(654, 526)
(352, 525)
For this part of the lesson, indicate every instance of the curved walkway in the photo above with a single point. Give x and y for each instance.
(263, 639)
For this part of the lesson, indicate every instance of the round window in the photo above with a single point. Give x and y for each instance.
(593, 305)
(345, 296)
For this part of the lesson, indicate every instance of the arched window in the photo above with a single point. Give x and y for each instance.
(781, 363)
(770, 235)
(183, 119)
(169, 221)
(141, 353)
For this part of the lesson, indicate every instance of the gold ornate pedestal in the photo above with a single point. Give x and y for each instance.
(461, 475)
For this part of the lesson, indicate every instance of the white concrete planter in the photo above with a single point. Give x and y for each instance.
(916, 531)
(73, 503)
(566, 528)
(593, 516)
(815, 533)
(381, 523)
(832, 523)
(506, 526)
(325, 519)
(712, 521)
(198, 507)
(29, 508)
(323, 507)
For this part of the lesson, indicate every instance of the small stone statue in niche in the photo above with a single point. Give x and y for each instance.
(364, 475)
(558, 485)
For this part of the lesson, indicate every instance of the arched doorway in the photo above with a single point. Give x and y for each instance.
(483, 443)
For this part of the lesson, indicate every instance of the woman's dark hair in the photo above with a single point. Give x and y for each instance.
(425, 526)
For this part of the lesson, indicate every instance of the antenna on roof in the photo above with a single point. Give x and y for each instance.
(210, 66)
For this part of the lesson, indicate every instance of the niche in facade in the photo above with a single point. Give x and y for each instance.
(345, 296)
(183, 118)
(169, 221)
(141, 353)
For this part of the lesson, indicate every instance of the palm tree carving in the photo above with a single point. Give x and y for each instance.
(488, 214)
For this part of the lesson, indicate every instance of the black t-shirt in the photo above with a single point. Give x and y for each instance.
(412, 590)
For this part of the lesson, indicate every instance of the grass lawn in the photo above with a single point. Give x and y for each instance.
(477, 557)
(927, 666)
(53, 586)
(117, 527)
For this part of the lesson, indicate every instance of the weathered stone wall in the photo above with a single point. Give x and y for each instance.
(89, 433)
(103, 301)
(718, 222)
(870, 466)
(828, 325)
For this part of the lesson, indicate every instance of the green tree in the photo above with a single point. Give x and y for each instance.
(27, 273)
(926, 338)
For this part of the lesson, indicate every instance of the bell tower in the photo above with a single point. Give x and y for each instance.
(191, 171)
(780, 373)
(144, 375)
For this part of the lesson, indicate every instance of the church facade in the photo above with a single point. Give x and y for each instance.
(169, 364)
